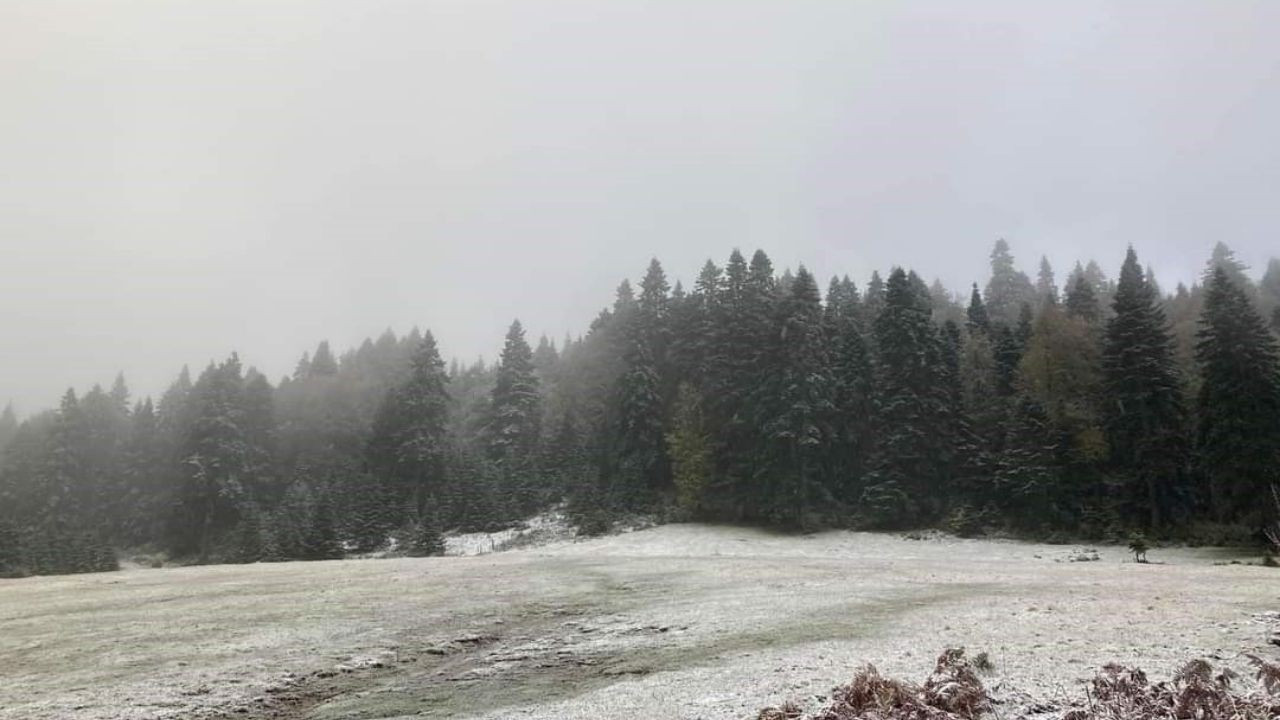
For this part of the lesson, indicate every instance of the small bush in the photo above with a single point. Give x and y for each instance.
(1138, 546)
(982, 663)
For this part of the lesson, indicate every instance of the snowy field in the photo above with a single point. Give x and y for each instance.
(681, 621)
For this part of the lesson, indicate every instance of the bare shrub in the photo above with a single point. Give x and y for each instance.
(1194, 692)
(952, 692)
(1117, 692)
(1268, 673)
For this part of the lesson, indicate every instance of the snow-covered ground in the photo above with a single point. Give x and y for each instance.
(680, 621)
(545, 529)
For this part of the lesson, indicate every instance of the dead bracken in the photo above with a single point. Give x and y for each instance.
(954, 692)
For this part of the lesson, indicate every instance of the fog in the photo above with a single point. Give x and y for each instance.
(189, 178)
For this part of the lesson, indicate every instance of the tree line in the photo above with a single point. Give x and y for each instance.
(1083, 411)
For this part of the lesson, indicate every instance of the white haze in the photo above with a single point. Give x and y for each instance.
(182, 179)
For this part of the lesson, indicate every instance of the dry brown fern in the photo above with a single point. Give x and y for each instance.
(1117, 692)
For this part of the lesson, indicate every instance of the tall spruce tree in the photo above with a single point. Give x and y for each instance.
(978, 320)
(1046, 285)
(1082, 302)
(640, 440)
(907, 483)
(515, 408)
(853, 436)
(1239, 404)
(1008, 287)
(215, 458)
(409, 440)
(652, 307)
(796, 408)
(323, 363)
(873, 302)
(1143, 409)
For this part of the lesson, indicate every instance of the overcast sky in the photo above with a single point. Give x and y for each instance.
(181, 179)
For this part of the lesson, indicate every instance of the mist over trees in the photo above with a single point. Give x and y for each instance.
(1075, 407)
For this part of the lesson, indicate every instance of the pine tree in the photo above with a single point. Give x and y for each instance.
(66, 476)
(515, 408)
(639, 437)
(259, 426)
(964, 456)
(1082, 302)
(742, 337)
(978, 321)
(545, 356)
(320, 539)
(979, 379)
(1103, 288)
(694, 328)
(853, 437)
(408, 443)
(1026, 321)
(248, 543)
(874, 299)
(1239, 404)
(216, 458)
(1046, 285)
(796, 408)
(365, 520)
(303, 369)
(685, 348)
(1143, 406)
(12, 555)
(145, 495)
(323, 363)
(1224, 258)
(907, 484)
(1007, 352)
(427, 539)
(1008, 287)
(1027, 476)
(1152, 283)
(120, 395)
(653, 306)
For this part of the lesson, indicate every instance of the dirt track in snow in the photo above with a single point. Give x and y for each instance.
(682, 621)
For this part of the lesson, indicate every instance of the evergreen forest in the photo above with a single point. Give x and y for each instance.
(1080, 406)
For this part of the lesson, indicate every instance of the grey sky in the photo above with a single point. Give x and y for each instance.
(181, 179)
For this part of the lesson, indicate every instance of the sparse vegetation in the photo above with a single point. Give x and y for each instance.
(1138, 546)
(954, 692)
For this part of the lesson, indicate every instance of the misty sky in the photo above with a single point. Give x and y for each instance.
(181, 179)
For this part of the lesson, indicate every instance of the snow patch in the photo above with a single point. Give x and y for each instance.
(543, 529)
